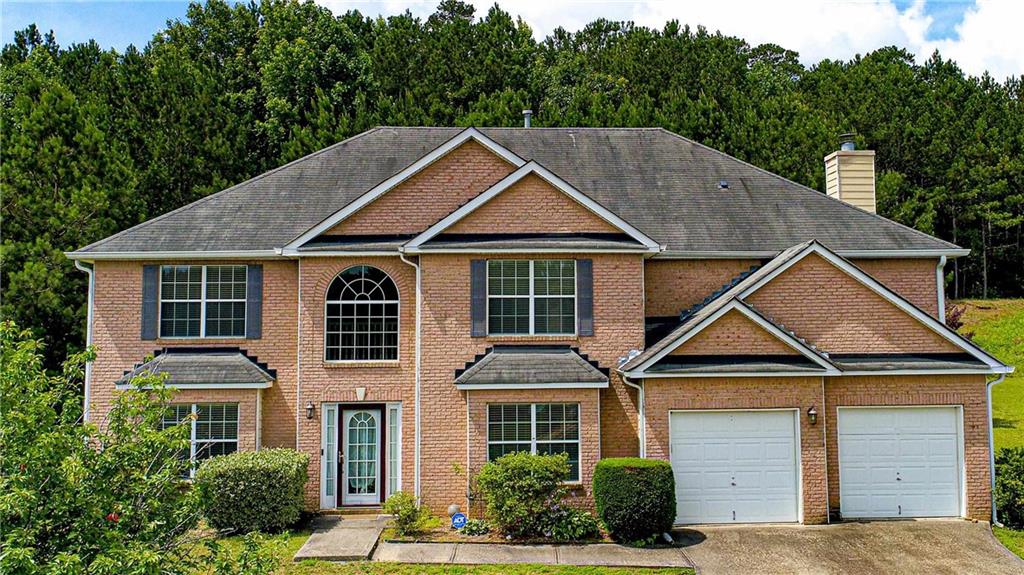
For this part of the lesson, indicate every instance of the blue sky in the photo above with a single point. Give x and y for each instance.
(977, 33)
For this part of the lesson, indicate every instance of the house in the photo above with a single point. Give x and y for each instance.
(412, 302)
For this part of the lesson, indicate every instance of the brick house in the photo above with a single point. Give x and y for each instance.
(411, 302)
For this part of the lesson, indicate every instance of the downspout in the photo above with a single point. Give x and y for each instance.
(940, 287)
(642, 418)
(992, 448)
(416, 406)
(89, 269)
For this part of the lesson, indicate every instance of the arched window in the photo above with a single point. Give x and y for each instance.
(362, 316)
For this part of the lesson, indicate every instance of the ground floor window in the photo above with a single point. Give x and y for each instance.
(213, 430)
(544, 428)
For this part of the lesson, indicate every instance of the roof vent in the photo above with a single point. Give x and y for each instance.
(723, 184)
(527, 114)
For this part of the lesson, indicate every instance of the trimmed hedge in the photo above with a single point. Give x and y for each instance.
(253, 490)
(635, 498)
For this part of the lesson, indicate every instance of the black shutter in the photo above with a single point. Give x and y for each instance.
(254, 302)
(150, 295)
(478, 297)
(585, 296)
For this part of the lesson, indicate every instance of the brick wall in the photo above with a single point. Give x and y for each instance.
(839, 314)
(914, 279)
(116, 334)
(965, 390)
(431, 194)
(670, 286)
(590, 424)
(447, 345)
(663, 395)
(538, 207)
(383, 381)
(734, 333)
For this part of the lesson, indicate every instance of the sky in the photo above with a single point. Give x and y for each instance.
(979, 34)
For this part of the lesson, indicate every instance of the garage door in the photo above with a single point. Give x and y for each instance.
(735, 466)
(899, 462)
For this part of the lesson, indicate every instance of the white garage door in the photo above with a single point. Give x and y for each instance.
(899, 462)
(735, 466)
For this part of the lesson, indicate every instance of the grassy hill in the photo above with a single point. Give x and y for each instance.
(998, 326)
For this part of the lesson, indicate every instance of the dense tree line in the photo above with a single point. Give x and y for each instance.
(95, 140)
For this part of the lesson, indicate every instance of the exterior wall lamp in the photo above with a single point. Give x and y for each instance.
(812, 415)
(309, 410)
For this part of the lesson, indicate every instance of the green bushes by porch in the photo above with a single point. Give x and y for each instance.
(635, 498)
(253, 490)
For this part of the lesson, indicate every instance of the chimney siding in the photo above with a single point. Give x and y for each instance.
(850, 177)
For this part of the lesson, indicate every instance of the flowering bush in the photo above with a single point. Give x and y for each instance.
(572, 524)
(520, 490)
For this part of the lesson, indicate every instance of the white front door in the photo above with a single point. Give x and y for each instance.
(899, 462)
(735, 466)
(361, 469)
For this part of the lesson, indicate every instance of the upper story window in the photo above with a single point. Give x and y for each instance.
(527, 297)
(361, 316)
(202, 301)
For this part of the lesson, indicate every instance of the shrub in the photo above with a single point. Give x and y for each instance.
(520, 490)
(409, 517)
(253, 490)
(1010, 486)
(635, 498)
(476, 527)
(571, 524)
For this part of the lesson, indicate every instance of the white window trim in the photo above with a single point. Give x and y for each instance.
(533, 435)
(202, 301)
(192, 440)
(398, 324)
(533, 299)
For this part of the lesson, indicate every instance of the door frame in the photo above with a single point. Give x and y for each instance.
(797, 446)
(960, 447)
(336, 500)
(381, 410)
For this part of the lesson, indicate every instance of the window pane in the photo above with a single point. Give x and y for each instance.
(179, 319)
(508, 315)
(362, 316)
(225, 319)
(508, 277)
(554, 277)
(225, 282)
(570, 449)
(555, 315)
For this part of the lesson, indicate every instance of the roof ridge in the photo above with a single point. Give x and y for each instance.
(204, 199)
(804, 188)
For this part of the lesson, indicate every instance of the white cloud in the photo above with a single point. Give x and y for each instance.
(988, 38)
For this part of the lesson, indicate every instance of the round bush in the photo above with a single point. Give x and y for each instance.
(635, 498)
(1010, 486)
(253, 490)
(520, 489)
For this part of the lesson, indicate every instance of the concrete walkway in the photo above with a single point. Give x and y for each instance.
(603, 554)
(340, 538)
(892, 547)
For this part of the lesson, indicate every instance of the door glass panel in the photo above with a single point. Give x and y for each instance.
(361, 463)
(331, 450)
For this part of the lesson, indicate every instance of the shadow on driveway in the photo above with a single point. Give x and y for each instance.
(890, 547)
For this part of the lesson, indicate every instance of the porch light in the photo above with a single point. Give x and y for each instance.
(309, 410)
(812, 415)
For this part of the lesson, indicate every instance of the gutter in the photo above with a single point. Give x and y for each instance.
(992, 449)
(642, 418)
(416, 406)
(89, 269)
(940, 287)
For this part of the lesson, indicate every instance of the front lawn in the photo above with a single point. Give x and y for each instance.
(290, 543)
(1011, 539)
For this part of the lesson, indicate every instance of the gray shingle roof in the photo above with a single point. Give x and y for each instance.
(712, 364)
(199, 366)
(889, 362)
(517, 365)
(663, 184)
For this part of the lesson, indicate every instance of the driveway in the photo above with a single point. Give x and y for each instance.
(911, 547)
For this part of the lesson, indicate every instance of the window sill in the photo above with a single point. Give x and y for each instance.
(392, 363)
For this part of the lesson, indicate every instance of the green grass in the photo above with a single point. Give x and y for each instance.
(998, 326)
(290, 543)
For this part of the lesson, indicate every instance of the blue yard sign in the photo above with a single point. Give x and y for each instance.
(458, 521)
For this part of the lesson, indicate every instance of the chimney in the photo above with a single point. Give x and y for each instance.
(850, 174)
(526, 118)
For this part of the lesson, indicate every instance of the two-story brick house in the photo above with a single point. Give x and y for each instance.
(411, 302)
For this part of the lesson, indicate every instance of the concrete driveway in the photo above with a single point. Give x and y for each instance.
(911, 547)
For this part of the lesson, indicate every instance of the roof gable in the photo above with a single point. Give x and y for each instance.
(735, 334)
(526, 174)
(402, 176)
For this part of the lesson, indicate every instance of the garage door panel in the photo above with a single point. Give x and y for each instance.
(746, 470)
(899, 462)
